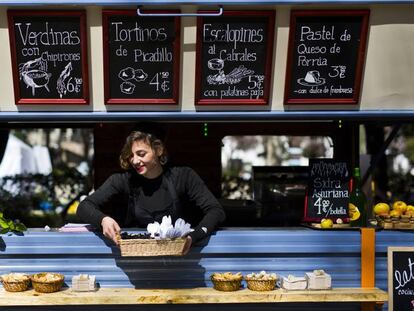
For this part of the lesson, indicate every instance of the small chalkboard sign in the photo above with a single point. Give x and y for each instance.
(141, 57)
(325, 56)
(49, 56)
(328, 190)
(400, 278)
(234, 58)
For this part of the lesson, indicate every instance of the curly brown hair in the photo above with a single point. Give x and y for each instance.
(150, 139)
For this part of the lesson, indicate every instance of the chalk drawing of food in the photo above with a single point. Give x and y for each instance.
(129, 73)
(312, 78)
(234, 77)
(61, 84)
(127, 87)
(34, 74)
(237, 74)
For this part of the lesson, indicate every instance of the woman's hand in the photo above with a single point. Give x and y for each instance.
(187, 245)
(110, 228)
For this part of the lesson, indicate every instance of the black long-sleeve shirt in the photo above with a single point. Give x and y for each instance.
(138, 201)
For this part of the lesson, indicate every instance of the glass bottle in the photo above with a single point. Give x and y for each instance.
(357, 202)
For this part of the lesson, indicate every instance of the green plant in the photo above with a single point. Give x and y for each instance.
(8, 225)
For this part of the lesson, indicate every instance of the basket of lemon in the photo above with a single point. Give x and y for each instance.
(398, 215)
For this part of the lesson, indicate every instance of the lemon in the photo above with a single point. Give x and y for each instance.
(352, 207)
(381, 208)
(410, 208)
(400, 206)
(395, 213)
(326, 223)
(354, 213)
(409, 213)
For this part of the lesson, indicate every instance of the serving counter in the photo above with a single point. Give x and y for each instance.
(186, 280)
(129, 296)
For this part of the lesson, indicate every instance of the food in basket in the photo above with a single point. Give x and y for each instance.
(262, 275)
(47, 282)
(398, 215)
(261, 281)
(227, 281)
(15, 282)
(227, 276)
(15, 277)
(131, 236)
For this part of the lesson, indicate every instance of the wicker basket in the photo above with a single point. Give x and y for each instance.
(261, 285)
(152, 247)
(16, 286)
(226, 286)
(47, 286)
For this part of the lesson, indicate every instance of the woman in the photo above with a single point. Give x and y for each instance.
(148, 190)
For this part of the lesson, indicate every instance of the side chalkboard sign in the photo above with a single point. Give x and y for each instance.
(325, 56)
(328, 190)
(400, 278)
(234, 58)
(141, 58)
(49, 56)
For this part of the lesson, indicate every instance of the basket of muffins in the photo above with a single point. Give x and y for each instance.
(47, 282)
(15, 282)
(227, 281)
(261, 281)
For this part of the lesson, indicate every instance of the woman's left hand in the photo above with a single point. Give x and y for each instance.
(187, 245)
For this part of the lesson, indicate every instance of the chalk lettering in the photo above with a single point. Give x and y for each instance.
(138, 33)
(405, 276)
(233, 35)
(46, 37)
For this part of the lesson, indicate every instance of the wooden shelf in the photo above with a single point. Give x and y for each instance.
(125, 296)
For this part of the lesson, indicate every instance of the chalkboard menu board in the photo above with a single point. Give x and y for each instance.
(325, 57)
(49, 56)
(328, 190)
(141, 58)
(234, 58)
(400, 278)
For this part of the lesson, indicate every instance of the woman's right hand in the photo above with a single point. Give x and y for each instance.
(110, 228)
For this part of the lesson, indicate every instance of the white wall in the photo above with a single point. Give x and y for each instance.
(387, 79)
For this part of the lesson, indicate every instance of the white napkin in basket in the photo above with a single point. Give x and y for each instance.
(166, 230)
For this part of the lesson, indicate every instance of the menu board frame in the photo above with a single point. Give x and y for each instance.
(81, 14)
(406, 275)
(106, 14)
(271, 16)
(295, 14)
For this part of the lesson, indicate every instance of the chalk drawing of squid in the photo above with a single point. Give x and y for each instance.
(61, 84)
(34, 74)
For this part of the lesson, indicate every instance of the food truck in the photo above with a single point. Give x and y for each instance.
(204, 70)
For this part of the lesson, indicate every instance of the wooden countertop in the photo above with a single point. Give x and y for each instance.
(205, 295)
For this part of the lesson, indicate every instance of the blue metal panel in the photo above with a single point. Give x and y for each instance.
(283, 251)
(98, 116)
(112, 116)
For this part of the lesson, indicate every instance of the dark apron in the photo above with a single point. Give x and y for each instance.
(133, 202)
